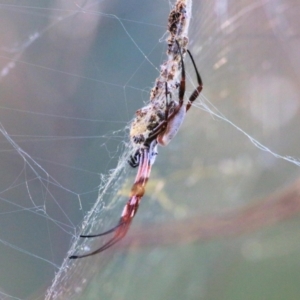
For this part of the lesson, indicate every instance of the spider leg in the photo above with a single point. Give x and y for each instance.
(161, 127)
(176, 117)
(147, 159)
(198, 89)
(102, 233)
(167, 102)
(105, 246)
(181, 90)
(159, 131)
(120, 231)
(182, 80)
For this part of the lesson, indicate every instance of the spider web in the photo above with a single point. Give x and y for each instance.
(72, 75)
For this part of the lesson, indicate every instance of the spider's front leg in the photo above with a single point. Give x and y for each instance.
(147, 158)
(120, 230)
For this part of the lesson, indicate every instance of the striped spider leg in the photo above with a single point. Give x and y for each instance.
(146, 158)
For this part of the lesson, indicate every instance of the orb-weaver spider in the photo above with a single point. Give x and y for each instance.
(145, 156)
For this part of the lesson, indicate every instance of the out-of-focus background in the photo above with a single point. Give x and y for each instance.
(73, 73)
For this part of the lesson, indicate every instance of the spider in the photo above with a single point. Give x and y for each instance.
(145, 156)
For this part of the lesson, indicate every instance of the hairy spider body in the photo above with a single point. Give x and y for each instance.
(159, 121)
(158, 129)
(165, 124)
(151, 115)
